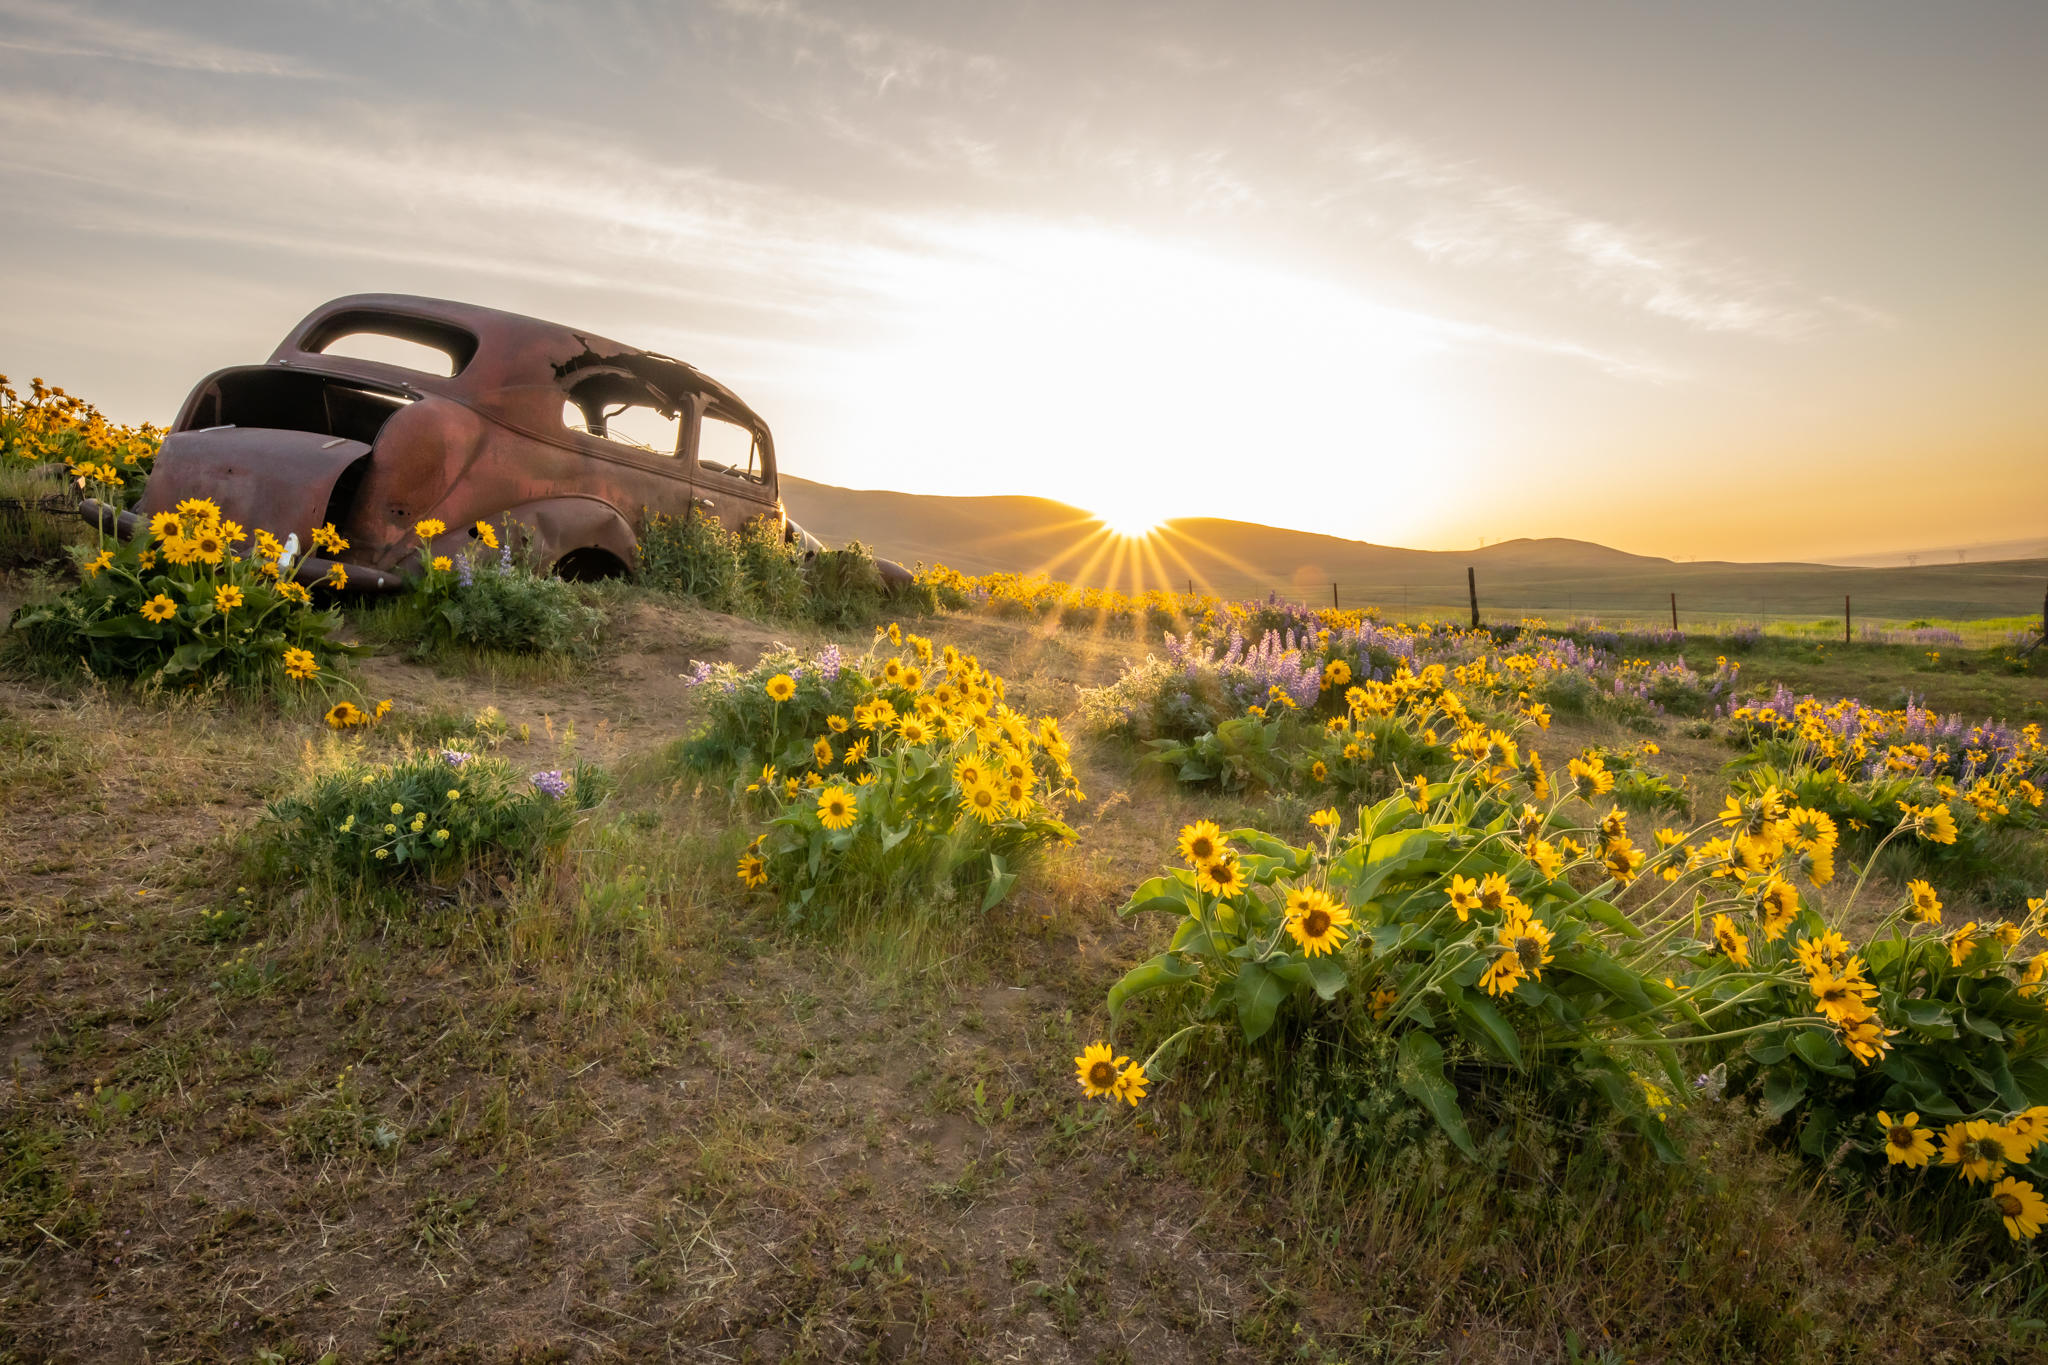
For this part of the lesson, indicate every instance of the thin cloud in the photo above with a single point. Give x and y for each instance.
(67, 31)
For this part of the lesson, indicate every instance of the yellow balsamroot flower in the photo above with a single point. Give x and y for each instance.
(1017, 792)
(1421, 796)
(1315, 921)
(442, 563)
(913, 731)
(205, 509)
(1326, 819)
(1809, 830)
(159, 609)
(98, 562)
(1201, 842)
(780, 688)
(1529, 940)
(1961, 944)
(1979, 1149)
(167, 526)
(2020, 1206)
(1131, 1083)
(1926, 905)
(294, 592)
(1590, 777)
(429, 528)
(1097, 1069)
(1383, 998)
(983, 802)
(487, 534)
(1780, 906)
(1319, 770)
(226, 596)
(1544, 854)
(208, 544)
(1502, 976)
(1614, 824)
(1731, 941)
(1822, 954)
(299, 664)
(1222, 877)
(821, 752)
(1464, 894)
(337, 576)
(1336, 673)
(753, 872)
(1842, 996)
(857, 752)
(836, 724)
(342, 715)
(2036, 971)
(1622, 859)
(328, 539)
(1494, 891)
(1906, 1143)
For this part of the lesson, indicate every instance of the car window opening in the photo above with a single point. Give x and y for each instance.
(423, 345)
(293, 400)
(728, 448)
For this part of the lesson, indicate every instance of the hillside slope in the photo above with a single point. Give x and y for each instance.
(1243, 559)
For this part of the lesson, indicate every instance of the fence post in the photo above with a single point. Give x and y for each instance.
(1472, 587)
(1846, 637)
(1674, 611)
(1333, 597)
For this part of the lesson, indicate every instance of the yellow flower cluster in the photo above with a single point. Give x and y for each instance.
(50, 425)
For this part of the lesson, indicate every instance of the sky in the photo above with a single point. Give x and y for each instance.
(1741, 280)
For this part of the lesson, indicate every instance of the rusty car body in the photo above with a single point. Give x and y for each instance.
(486, 416)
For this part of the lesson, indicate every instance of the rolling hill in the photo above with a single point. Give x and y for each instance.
(1242, 559)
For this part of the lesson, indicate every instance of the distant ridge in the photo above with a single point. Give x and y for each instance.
(1552, 575)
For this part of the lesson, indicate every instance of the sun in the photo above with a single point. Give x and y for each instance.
(1127, 522)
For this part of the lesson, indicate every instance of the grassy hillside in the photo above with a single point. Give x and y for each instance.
(1551, 577)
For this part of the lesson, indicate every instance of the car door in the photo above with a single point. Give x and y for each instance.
(732, 468)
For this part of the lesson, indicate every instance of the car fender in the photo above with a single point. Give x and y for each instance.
(555, 527)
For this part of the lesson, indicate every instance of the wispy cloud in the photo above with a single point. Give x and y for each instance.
(882, 57)
(54, 30)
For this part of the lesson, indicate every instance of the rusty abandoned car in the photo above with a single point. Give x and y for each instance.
(465, 414)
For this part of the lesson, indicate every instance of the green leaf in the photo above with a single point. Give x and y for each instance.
(1928, 1017)
(1784, 1087)
(1606, 973)
(1328, 975)
(1420, 1068)
(1608, 915)
(1000, 880)
(1480, 1011)
(1163, 970)
(1983, 1026)
(1259, 994)
(1168, 894)
(1822, 1051)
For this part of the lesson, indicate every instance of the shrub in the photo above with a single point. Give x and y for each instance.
(180, 605)
(884, 783)
(696, 557)
(485, 600)
(844, 587)
(772, 567)
(428, 814)
(1482, 943)
(758, 572)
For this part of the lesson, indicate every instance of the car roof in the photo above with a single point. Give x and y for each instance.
(508, 363)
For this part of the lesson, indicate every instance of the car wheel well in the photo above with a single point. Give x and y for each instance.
(588, 564)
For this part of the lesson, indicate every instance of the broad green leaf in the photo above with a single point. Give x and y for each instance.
(1822, 1051)
(1784, 1087)
(1163, 970)
(1328, 975)
(1000, 880)
(1420, 1068)
(1608, 915)
(1928, 1017)
(1606, 973)
(1259, 994)
(1476, 1007)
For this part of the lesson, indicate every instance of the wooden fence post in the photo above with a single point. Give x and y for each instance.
(1472, 587)
(1674, 611)
(1846, 637)
(1333, 597)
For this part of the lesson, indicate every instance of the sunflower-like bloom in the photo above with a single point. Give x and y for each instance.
(780, 688)
(1962, 943)
(1979, 1149)
(1326, 819)
(1844, 996)
(1544, 854)
(488, 534)
(753, 871)
(1131, 1083)
(1731, 940)
(2020, 1206)
(913, 731)
(1622, 859)
(1494, 891)
(337, 576)
(1591, 777)
(1926, 904)
(1780, 906)
(1528, 940)
(1421, 793)
(1221, 876)
(166, 526)
(299, 664)
(1906, 1143)
(1464, 895)
(1502, 976)
(428, 528)
(857, 752)
(2030, 1126)
(983, 802)
(159, 609)
(1201, 842)
(226, 596)
(836, 724)
(1098, 1069)
(344, 715)
(1315, 921)
(836, 808)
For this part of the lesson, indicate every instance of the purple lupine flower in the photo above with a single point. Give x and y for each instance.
(455, 758)
(699, 674)
(465, 571)
(828, 663)
(552, 782)
(505, 556)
